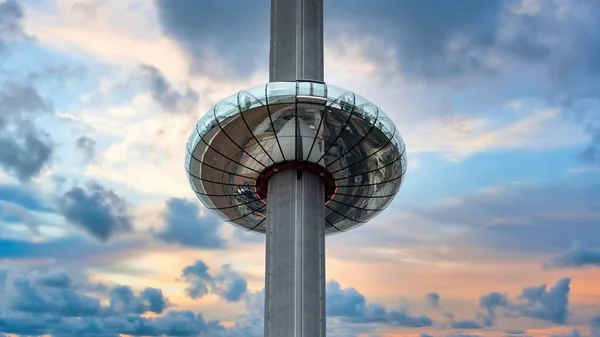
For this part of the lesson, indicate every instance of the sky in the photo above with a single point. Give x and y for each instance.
(495, 232)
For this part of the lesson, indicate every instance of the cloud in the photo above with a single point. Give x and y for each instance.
(241, 43)
(168, 97)
(573, 333)
(66, 250)
(474, 38)
(515, 216)
(251, 323)
(350, 305)
(184, 226)
(100, 212)
(433, 299)
(87, 145)
(482, 47)
(536, 302)
(431, 40)
(25, 197)
(11, 209)
(546, 304)
(51, 301)
(228, 284)
(24, 150)
(577, 257)
(595, 325)
(11, 28)
(465, 324)
(123, 300)
(490, 302)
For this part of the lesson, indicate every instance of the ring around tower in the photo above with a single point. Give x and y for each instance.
(296, 159)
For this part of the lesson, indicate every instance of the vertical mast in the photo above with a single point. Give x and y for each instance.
(296, 40)
(295, 250)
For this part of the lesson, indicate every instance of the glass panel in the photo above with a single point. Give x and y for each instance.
(336, 94)
(359, 102)
(386, 125)
(193, 140)
(304, 88)
(281, 92)
(319, 89)
(398, 142)
(226, 110)
(198, 187)
(187, 159)
(368, 111)
(206, 123)
(252, 98)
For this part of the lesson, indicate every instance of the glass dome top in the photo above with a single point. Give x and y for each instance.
(327, 129)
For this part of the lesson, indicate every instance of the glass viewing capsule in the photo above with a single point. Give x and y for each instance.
(245, 139)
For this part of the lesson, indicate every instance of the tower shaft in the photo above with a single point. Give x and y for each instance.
(295, 252)
(295, 278)
(296, 40)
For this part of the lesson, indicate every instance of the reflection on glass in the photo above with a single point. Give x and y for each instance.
(347, 136)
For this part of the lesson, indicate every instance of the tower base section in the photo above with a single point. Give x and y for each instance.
(295, 255)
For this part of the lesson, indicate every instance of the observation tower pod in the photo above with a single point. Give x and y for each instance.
(296, 159)
(304, 127)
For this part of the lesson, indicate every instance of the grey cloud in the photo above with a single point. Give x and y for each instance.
(420, 32)
(465, 324)
(595, 326)
(199, 280)
(236, 32)
(228, 284)
(350, 305)
(27, 155)
(54, 279)
(69, 250)
(87, 145)
(231, 286)
(538, 302)
(347, 310)
(441, 40)
(251, 323)
(513, 215)
(168, 97)
(39, 302)
(516, 332)
(23, 296)
(9, 208)
(24, 150)
(591, 153)
(184, 226)
(490, 302)
(123, 300)
(11, 29)
(100, 212)
(577, 257)
(550, 305)
(553, 48)
(433, 299)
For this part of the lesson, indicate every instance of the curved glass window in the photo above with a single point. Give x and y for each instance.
(334, 131)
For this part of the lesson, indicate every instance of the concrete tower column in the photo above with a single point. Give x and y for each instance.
(296, 40)
(295, 251)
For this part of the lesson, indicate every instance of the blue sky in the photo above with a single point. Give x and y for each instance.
(495, 231)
